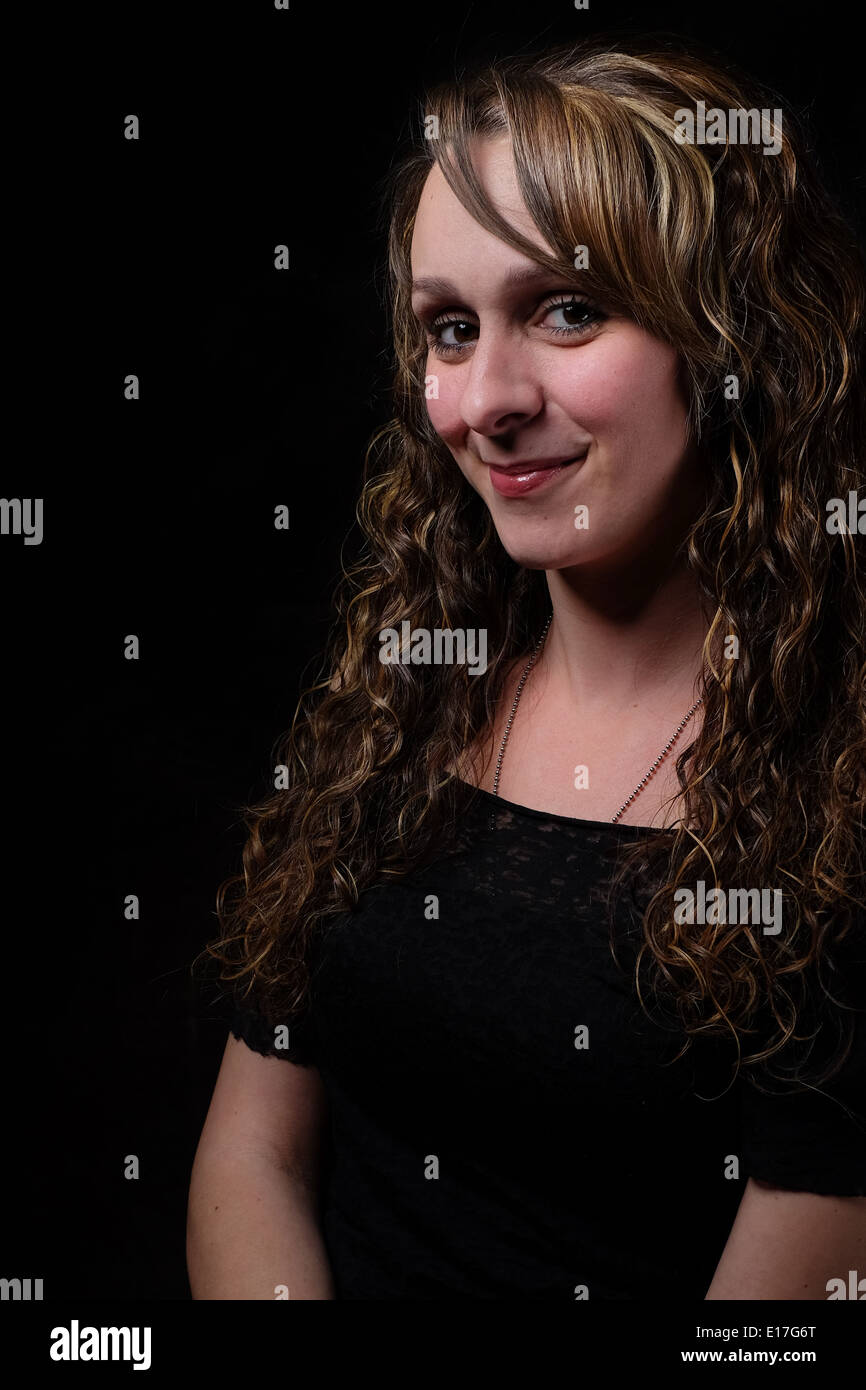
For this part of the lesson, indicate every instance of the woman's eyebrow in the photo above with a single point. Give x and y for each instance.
(517, 276)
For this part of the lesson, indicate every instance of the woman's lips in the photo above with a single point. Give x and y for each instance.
(516, 482)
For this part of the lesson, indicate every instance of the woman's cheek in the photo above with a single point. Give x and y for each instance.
(442, 405)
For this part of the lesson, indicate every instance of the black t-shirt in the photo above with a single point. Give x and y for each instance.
(504, 1118)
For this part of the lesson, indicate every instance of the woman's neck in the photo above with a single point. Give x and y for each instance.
(614, 644)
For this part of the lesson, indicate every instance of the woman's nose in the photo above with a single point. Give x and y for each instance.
(501, 387)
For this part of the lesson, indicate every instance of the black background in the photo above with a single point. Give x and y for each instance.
(258, 387)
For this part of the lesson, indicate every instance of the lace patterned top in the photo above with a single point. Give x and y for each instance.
(505, 1120)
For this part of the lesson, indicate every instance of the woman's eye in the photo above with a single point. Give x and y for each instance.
(579, 316)
(452, 336)
(460, 327)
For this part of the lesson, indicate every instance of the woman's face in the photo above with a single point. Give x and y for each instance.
(527, 375)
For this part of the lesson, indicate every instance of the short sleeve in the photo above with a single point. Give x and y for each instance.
(808, 1141)
(812, 1139)
(292, 1039)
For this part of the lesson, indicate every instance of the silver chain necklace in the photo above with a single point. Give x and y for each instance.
(643, 781)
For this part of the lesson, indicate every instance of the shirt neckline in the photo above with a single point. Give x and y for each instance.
(565, 820)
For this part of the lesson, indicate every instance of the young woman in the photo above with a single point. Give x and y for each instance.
(566, 949)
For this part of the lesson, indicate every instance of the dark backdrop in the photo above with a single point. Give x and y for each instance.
(257, 387)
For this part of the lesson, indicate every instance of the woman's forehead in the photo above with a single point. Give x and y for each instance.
(444, 228)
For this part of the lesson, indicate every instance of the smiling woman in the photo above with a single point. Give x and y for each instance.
(629, 376)
(534, 384)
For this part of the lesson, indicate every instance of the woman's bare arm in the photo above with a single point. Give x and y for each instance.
(788, 1245)
(253, 1222)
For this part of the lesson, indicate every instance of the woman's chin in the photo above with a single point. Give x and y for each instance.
(545, 557)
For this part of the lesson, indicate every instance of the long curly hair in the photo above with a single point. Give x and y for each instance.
(742, 261)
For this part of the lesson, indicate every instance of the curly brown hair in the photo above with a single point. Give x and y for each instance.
(742, 262)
